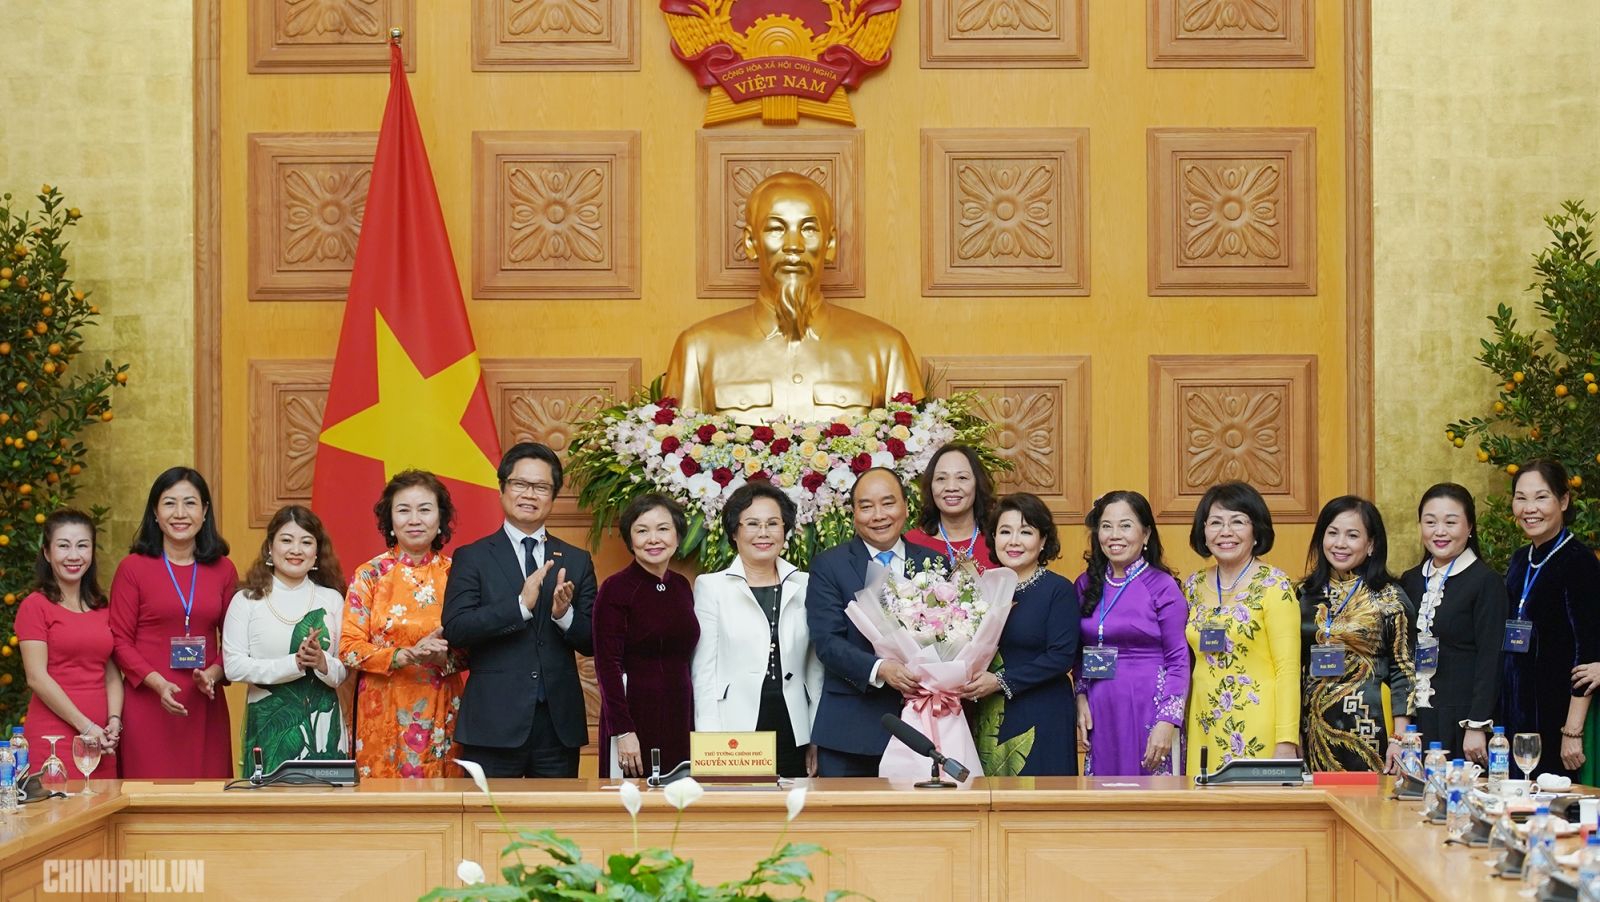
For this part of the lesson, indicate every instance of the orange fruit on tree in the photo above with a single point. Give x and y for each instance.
(1561, 391)
(1593, 388)
(1576, 482)
(1499, 407)
(105, 417)
(1512, 469)
(122, 378)
(1535, 433)
(1483, 456)
(1518, 376)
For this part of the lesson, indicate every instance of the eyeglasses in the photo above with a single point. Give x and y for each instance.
(757, 527)
(536, 489)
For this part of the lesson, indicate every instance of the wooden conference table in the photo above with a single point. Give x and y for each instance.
(1002, 838)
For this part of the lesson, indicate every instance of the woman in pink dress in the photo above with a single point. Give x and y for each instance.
(168, 601)
(65, 637)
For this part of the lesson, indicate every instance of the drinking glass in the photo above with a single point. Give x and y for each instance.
(53, 773)
(86, 754)
(1525, 750)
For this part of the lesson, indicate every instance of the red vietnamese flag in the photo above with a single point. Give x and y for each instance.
(407, 390)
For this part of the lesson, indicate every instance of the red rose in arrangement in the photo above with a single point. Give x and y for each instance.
(779, 445)
(665, 416)
(861, 463)
(689, 466)
(896, 447)
(902, 398)
(760, 476)
(704, 433)
(668, 401)
(761, 434)
(839, 430)
(812, 480)
(722, 475)
(670, 444)
(903, 418)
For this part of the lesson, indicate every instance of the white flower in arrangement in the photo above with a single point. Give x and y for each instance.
(841, 479)
(744, 433)
(683, 793)
(647, 413)
(883, 459)
(701, 485)
(632, 799)
(471, 873)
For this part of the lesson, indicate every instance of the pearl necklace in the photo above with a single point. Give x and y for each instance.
(305, 584)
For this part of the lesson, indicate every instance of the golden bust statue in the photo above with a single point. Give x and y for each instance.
(791, 353)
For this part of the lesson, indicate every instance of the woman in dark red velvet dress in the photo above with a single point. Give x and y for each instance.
(644, 637)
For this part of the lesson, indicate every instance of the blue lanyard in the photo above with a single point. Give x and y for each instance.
(1328, 629)
(188, 603)
(1247, 568)
(955, 557)
(1531, 576)
(1133, 574)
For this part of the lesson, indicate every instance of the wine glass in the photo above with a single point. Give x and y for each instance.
(1525, 750)
(53, 773)
(86, 754)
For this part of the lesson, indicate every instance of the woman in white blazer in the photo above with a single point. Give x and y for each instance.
(754, 668)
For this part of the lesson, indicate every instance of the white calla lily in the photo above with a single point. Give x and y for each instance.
(632, 799)
(475, 771)
(471, 873)
(796, 802)
(683, 793)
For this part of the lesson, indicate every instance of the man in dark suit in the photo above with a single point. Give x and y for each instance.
(858, 687)
(519, 601)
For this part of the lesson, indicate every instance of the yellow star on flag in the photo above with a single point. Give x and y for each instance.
(417, 420)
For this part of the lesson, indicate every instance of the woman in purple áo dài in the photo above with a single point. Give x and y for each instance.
(1134, 665)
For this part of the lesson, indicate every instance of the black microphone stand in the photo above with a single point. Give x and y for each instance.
(936, 781)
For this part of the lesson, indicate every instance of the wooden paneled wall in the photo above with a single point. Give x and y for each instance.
(1140, 231)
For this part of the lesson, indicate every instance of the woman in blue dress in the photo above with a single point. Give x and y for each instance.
(1025, 708)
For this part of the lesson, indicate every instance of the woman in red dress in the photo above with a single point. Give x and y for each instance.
(65, 636)
(957, 497)
(168, 601)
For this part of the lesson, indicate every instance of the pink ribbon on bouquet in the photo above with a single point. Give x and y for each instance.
(931, 705)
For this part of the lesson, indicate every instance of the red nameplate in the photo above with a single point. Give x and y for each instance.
(1345, 778)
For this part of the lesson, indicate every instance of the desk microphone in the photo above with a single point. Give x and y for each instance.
(922, 745)
(256, 776)
(1203, 779)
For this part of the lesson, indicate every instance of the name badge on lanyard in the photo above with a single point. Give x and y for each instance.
(1327, 660)
(1427, 657)
(188, 651)
(1213, 636)
(1519, 634)
(1100, 662)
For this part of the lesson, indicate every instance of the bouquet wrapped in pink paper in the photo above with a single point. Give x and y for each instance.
(944, 628)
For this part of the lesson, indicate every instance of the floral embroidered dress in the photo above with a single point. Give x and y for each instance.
(404, 718)
(1246, 698)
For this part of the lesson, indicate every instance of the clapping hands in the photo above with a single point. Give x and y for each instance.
(310, 655)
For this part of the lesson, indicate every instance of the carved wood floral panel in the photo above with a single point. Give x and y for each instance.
(1231, 33)
(1040, 409)
(730, 163)
(539, 400)
(307, 195)
(533, 35)
(1004, 211)
(1226, 418)
(286, 398)
(1232, 211)
(555, 214)
(328, 35)
(1033, 34)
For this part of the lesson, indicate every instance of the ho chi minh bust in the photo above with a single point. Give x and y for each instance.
(791, 353)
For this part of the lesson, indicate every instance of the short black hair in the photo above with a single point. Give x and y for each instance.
(1233, 496)
(209, 545)
(536, 451)
(1034, 513)
(406, 479)
(982, 488)
(1555, 476)
(746, 495)
(850, 497)
(1452, 491)
(642, 505)
(1374, 570)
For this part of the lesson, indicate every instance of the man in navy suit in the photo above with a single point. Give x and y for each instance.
(519, 601)
(858, 687)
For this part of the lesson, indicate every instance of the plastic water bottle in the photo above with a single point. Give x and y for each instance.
(1499, 759)
(1411, 752)
(1540, 860)
(1589, 861)
(19, 750)
(8, 779)
(1458, 820)
(1433, 775)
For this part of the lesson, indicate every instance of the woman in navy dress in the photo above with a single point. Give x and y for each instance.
(644, 637)
(1554, 584)
(1026, 710)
